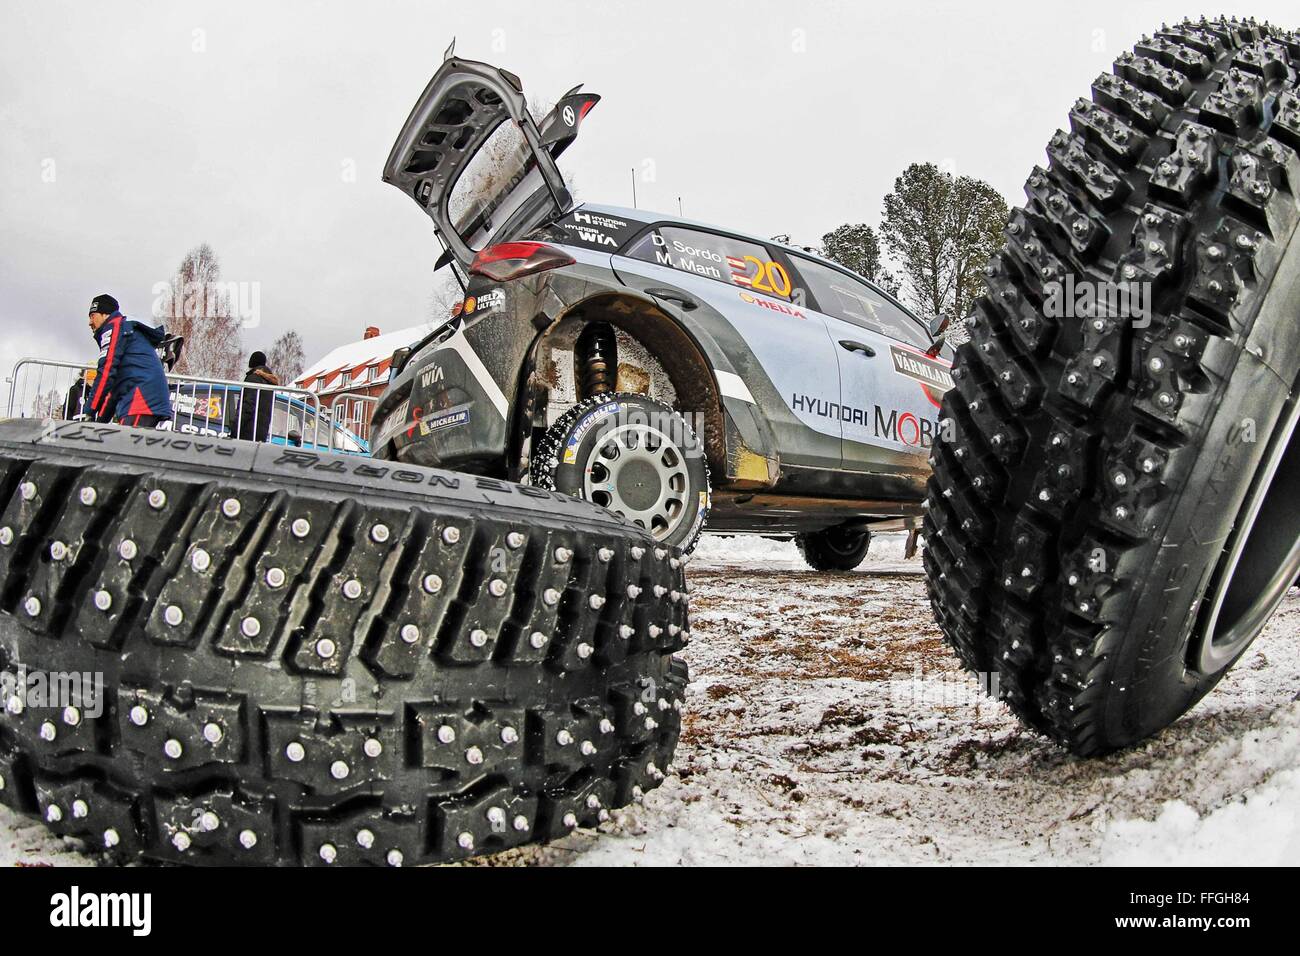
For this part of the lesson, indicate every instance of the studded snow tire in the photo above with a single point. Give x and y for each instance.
(675, 479)
(1094, 467)
(315, 659)
(833, 549)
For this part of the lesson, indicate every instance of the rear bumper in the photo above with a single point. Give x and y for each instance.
(453, 404)
(453, 411)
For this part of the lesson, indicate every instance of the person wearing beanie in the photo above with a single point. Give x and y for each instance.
(130, 384)
(256, 404)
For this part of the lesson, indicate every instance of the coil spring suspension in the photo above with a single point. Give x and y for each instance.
(596, 354)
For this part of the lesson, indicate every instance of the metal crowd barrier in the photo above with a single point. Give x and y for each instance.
(353, 413)
(218, 408)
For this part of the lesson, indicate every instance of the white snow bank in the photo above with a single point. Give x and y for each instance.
(1262, 828)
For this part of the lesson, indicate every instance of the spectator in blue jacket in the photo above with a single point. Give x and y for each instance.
(131, 386)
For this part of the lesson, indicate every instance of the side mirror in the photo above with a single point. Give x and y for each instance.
(938, 326)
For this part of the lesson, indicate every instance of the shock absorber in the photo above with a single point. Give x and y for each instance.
(596, 359)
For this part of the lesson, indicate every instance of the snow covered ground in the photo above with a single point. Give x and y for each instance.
(826, 722)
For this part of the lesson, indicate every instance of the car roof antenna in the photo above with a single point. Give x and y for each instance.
(447, 53)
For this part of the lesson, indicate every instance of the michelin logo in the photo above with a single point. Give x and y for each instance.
(430, 425)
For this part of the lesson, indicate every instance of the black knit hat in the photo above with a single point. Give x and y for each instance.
(257, 360)
(103, 303)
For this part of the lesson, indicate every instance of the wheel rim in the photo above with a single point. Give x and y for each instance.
(640, 473)
(843, 542)
(1261, 558)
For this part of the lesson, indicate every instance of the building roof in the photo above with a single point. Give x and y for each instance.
(356, 357)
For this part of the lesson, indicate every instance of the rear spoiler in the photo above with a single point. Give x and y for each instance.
(559, 127)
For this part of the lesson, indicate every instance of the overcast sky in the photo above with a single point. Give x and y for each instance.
(129, 132)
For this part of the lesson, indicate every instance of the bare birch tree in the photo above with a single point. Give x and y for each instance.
(198, 308)
(287, 358)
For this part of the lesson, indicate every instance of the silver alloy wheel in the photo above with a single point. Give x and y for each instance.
(1262, 556)
(640, 473)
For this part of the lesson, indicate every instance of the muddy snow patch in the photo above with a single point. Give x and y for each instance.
(828, 724)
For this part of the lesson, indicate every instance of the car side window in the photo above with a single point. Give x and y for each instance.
(852, 300)
(736, 262)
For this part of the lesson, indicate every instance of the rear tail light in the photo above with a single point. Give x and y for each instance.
(513, 260)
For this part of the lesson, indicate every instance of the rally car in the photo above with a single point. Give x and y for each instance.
(671, 371)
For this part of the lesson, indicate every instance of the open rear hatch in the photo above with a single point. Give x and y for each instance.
(474, 159)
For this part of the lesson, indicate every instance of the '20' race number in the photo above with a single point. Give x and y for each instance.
(769, 277)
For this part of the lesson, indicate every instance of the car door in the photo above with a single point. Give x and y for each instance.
(756, 320)
(890, 388)
(474, 159)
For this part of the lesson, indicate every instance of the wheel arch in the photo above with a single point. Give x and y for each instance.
(690, 358)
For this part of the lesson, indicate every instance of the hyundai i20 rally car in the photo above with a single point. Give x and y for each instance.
(670, 371)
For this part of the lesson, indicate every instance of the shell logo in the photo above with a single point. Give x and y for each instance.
(471, 304)
(746, 297)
